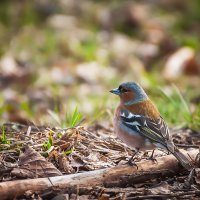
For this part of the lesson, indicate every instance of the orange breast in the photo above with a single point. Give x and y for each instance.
(146, 108)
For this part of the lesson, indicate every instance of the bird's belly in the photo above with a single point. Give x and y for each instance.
(132, 138)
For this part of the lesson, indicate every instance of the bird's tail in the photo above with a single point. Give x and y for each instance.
(184, 161)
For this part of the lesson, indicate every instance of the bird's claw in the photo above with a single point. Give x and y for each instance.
(151, 157)
(131, 162)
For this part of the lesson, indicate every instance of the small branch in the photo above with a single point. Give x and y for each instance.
(186, 195)
(187, 146)
(114, 176)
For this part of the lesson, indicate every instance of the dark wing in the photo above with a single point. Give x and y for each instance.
(155, 130)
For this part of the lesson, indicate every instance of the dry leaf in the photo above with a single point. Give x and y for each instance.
(197, 177)
(32, 164)
(182, 61)
(64, 164)
(162, 188)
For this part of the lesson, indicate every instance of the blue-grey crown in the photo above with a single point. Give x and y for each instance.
(140, 94)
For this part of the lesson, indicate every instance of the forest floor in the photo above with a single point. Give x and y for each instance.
(31, 152)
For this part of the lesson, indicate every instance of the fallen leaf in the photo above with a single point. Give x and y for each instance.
(32, 164)
(64, 164)
(183, 61)
(162, 188)
(197, 177)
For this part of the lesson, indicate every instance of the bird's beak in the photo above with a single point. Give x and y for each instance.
(115, 91)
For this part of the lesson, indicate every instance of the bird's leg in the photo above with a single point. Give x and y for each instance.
(189, 180)
(151, 156)
(131, 160)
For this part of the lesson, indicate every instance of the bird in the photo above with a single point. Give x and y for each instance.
(138, 123)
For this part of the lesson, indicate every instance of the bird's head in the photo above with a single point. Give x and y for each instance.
(130, 93)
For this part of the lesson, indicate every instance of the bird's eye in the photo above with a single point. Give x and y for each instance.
(123, 90)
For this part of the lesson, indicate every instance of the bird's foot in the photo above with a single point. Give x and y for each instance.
(189, 180)
(151, 157)
(131, 161)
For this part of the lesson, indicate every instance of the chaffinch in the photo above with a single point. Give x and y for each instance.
(138, 123)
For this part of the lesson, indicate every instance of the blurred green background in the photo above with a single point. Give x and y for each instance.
(60, 58)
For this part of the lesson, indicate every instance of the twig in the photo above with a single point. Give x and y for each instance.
(166, 196)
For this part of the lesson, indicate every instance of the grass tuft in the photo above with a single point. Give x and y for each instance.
(175, 108)
(3, 138)
(73, 119)
(47, 145)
